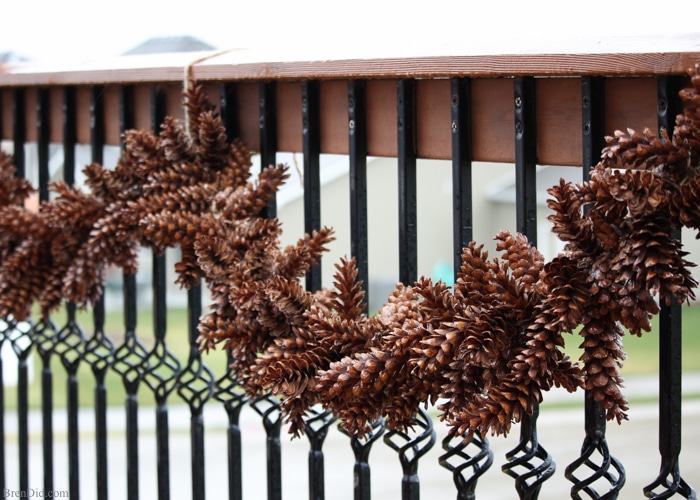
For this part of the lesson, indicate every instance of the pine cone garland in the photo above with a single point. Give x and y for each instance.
(486, 350)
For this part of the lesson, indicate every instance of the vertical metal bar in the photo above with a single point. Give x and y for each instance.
(99, 368)
(3, 456)
(19, 137)
(131, 384)
(69, 135)
(194, 312)
(268, 133)
(23, 417)
(234, 405)
(670, 316)
(43, 137)
(229, 109)
(19, 131)
(73, 462)
(670, 340)
(525, 158)
(268, 152)
(100, 397)
(126, 120)
(408, 241)
(159, 328)
(97, 125)
(461, 168)
(528, 484)
(69, 141)
(235, 452)
(311, 139)
(357, 148)
(465, 474)
(592, 143)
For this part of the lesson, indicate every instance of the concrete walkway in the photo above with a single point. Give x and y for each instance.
(560, 430)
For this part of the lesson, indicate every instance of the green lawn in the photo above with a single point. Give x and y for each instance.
(643, 352)
(642, 356)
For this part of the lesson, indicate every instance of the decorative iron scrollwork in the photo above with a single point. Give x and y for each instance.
(532, 457)
(458, 460)
(671, 482)
(411, 449)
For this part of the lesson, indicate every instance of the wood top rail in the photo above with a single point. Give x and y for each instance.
(630, 64)
(621, 56)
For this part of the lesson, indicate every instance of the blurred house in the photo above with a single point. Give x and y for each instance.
(166, 45)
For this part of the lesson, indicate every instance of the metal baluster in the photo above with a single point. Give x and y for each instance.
(19, 130)
(232, 395)
(99, 349)
(669, 479)
(529, 454)
(43, 333)
(228, 390)
(160, 367)
(70, 347)
(19, 337)
(317, 425)
(129, 358)
(482, 457)
(160, 371)
(266, 406)
(414, 446)
(408, 248)
(21, 344)
(361, 449)
(606, 470)
(311, 139)
(268, 134)
(130, 363)
(316, 429)
(195, 384)
(357, 149)
(70, 340)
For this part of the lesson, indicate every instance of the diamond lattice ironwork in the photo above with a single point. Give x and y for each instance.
(129, 361)
(195, 383)
(70, 346)
(160, 370)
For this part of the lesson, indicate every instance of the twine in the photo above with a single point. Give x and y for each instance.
(188, 75)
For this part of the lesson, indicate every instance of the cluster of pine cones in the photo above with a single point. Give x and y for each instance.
(484, 351)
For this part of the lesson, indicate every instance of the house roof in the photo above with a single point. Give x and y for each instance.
(164, 45)
(10, 57)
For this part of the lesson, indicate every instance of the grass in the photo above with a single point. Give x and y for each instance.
(643, 352)
(642, 356)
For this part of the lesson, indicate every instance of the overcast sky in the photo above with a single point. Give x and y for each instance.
(85, 29)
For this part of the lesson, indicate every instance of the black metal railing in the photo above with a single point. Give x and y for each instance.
(151, 367)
